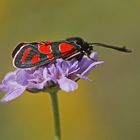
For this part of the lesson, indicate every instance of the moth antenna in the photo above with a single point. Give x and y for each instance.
(122, 49)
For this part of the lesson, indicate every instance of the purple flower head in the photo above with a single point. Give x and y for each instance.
(62, 74)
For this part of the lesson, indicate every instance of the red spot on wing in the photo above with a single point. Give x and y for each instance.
(25, 54)
(65, 47)
(44, 49)
(50, 56)
(35, 59)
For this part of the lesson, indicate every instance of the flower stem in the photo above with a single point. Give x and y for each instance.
(55, 108)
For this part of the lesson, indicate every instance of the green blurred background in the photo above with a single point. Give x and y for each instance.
(106, 108)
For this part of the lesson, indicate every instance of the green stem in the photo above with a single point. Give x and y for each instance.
(55, 108)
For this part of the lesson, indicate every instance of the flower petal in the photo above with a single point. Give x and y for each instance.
(67, 84)
(22, 77)
(9, 78)
(13, 94)
(82, 77)
(87, 64)
(90, 67)
(45, 73)
(39, 86)
(94, 56)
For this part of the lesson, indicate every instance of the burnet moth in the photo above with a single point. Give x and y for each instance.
(28, 55)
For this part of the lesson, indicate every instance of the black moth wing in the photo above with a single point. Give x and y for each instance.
(23, 54)
(17, 48)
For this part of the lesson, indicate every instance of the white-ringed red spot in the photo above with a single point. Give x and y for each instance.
(44, 49)
(50, 56)
(65, 47)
